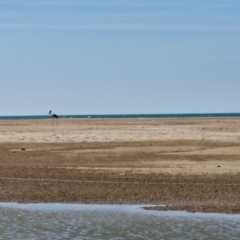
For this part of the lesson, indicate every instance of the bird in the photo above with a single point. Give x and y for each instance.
(53, 116)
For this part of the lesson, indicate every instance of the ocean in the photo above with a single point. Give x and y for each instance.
(98, 116)
(118, 222)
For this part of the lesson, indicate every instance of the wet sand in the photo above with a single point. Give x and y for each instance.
(187, 164)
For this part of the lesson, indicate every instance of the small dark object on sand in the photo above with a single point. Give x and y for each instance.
(23, 149)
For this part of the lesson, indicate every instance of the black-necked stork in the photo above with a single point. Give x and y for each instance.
(53, 116)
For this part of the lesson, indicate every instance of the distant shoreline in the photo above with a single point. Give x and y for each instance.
(122, 116)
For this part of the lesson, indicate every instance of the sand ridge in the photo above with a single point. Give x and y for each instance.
(190, 163)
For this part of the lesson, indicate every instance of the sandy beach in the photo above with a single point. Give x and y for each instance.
(187, 163)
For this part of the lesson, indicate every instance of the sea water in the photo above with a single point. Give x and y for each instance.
(119, 116)
(80, 221)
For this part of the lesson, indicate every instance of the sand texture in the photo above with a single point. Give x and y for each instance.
(188, 164)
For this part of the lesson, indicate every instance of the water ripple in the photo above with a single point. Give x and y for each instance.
(72, 221)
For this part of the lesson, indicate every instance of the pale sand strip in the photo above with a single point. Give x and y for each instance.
(79, 130)
(185, 158)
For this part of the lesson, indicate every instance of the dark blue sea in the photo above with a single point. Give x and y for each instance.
(112, 116)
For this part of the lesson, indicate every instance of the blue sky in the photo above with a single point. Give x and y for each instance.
(119, 56)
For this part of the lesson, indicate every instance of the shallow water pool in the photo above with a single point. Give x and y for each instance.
(80, 221)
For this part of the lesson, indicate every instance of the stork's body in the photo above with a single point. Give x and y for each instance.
(54, 116)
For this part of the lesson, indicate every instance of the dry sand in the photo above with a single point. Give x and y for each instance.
(188, 164)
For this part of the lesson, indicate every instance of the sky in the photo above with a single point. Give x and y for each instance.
(119, 56)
